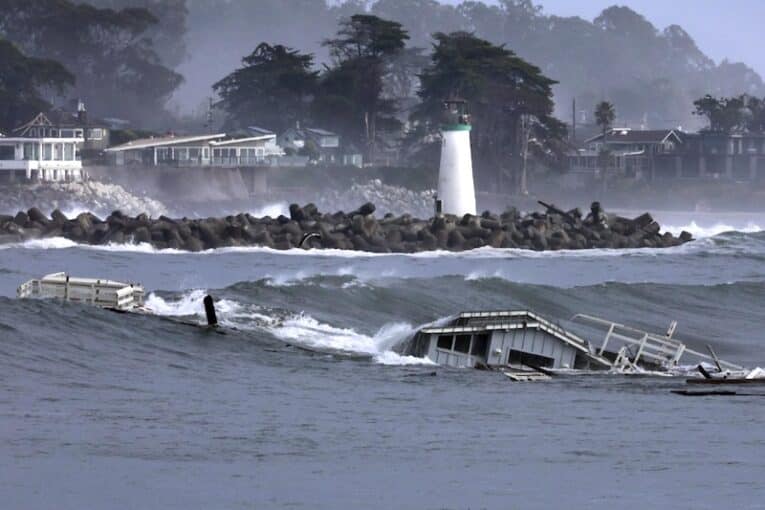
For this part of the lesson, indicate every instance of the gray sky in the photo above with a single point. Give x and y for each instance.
(721, 28)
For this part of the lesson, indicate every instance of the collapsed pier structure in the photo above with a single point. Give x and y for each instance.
(523, 344)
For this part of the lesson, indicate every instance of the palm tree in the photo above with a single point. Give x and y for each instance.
(604, 117)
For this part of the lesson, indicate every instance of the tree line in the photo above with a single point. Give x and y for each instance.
(102, 55)
(652, 74)
(365, 94)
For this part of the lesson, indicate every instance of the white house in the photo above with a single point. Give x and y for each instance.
(48, 153)
(212, 150)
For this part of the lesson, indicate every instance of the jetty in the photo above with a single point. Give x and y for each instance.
(357, 230)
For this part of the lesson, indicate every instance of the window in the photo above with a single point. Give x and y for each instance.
(58, 152)
(69, 152)
(528, 359)
(163, 154)
(193, 153)
(7, 152)
(95, 133)
(31, 152)
(206, 153)
(480, 345)
(445, 342)
(47, 152)
(67, 133)
(462, 344)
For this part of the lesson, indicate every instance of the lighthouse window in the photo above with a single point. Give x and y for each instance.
(445, 342)
(462, 343)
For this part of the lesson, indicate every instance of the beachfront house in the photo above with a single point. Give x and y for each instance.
(41, 150)
(210, 150)
(94, 132)
(667, 154)
(302, 141)
(634, 153)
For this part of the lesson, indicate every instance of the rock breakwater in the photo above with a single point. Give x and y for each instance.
(358, 230)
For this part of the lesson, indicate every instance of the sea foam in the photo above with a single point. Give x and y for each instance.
(298, 329)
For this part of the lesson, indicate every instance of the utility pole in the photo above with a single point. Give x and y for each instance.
(573, 121)
(209, 121)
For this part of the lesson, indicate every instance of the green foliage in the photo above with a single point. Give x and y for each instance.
(732, 114)
(122, 136)
(729, 114)
(21, 80)
(350, 95)
(367, 36)
(605, 114)
(651, 75)
(502, 90)
(108, 49)
(273, 89)
(168, 35)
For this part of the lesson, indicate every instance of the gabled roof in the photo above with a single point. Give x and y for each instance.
(148, 143)
(57, 118)
(39, 120)
(626, 135)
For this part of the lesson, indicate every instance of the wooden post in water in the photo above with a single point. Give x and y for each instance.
(212, 319)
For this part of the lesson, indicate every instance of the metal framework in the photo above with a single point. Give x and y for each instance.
(663, 350)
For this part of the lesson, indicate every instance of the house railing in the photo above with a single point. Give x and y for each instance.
(231, 162)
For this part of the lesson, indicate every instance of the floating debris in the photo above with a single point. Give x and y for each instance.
(527, 347)
(93, 291)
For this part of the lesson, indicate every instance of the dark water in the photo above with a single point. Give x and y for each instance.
(100, 410)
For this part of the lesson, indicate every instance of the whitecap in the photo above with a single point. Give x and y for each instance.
(700, 231)
(273, 210)
(298, 329)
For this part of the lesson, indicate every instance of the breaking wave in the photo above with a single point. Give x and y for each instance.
(699, 231)
(294, 328)
(273, 210)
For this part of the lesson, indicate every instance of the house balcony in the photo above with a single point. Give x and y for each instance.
(29, 165)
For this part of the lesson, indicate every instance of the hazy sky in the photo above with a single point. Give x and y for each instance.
(721, 28)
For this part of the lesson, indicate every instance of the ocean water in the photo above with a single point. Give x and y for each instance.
(309, 400)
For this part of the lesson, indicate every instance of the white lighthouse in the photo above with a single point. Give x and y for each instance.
(456, 192)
